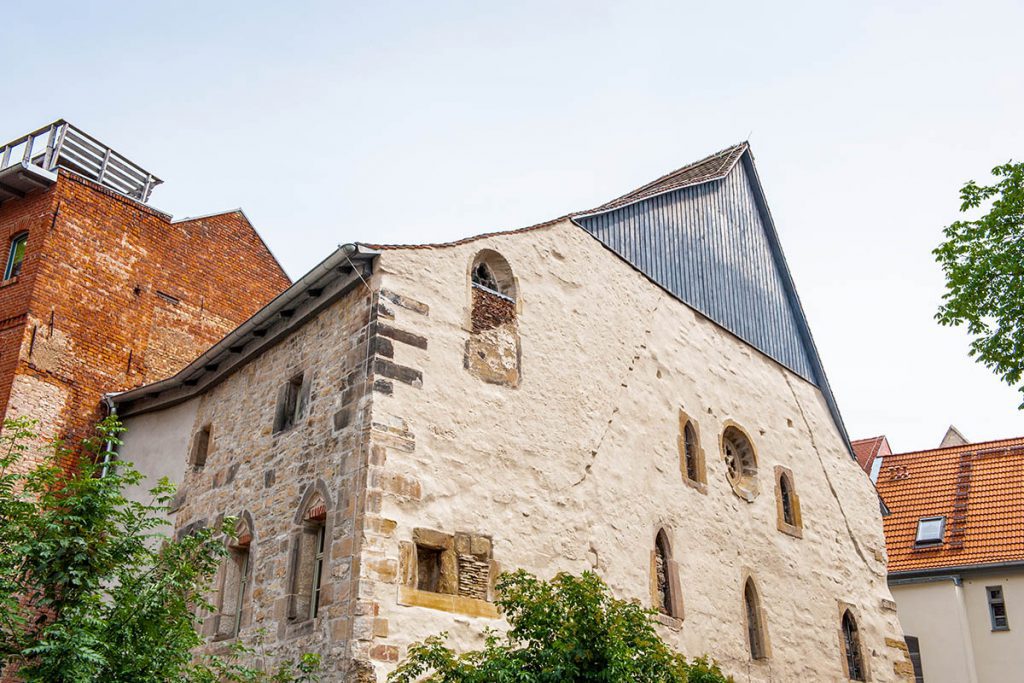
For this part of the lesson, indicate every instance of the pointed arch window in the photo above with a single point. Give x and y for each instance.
(235, 587)
(666, 593)
(310, 550)
(757, 641)
(851, 648)
(787, 503)
(691, 455)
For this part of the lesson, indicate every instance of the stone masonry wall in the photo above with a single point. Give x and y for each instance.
(115, 295)
(577, 467)
(265, 475)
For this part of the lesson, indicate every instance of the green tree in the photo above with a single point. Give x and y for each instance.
(90, 589)
(567, 630)
(983, 261)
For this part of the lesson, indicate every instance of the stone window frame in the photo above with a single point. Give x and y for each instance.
(240, 555)
(292, 404)
(760, 626)
(200, 450)
(312, 522)
(747, 484)
(670, 610)
(794, 528)
(12, 268)
(845, 608)
(701, 482)
(455, 549)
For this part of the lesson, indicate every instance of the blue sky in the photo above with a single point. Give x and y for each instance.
(406, 122)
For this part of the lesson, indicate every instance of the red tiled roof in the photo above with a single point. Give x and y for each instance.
(866, 450)
(984, 521)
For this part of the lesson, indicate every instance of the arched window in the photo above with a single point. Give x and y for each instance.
(787, 503)
(309, 556)
(691, 456)
(492, 353)
(666, 595)
(757, 641)
(740, 462)
(235, 587)
(851, 648)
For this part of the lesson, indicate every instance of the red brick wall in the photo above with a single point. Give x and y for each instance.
(33, 214)
(119, 296)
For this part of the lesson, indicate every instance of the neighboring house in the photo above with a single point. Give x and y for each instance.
(870, 454)
(955, 539)
(632, 390)
(101, 291)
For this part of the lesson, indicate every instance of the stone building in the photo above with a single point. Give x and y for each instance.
(101, 291)
(631, 390)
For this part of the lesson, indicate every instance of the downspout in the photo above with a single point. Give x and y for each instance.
(965, 629)
(108, 450)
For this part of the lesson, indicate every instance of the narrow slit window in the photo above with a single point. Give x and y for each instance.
(201, 448)
(851, 644)
(787, 501)
(755, 626)
(16, 256)
(997, 608)
(318, 571)
(690, 449)
(930, 531)
(291, 403)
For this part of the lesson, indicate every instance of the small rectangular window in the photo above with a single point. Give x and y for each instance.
(914, 648)
(291, 402)
(930, 530)
(200, 448)
(428, 568)
(16, 256)
(997, 608)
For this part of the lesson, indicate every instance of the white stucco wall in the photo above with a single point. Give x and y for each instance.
(157, 444)
(577, 468)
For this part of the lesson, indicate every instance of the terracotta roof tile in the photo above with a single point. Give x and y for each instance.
(866, 450)
(984, 524)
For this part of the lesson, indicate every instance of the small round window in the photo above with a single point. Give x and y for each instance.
(740, 462)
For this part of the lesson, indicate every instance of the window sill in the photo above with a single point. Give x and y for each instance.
(456, 604)
(791, 530)
(1000, 630)
(9, 281)
(673, 623)
(698, 485)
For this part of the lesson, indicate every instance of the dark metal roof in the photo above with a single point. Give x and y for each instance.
(712, 167)
(704, 233)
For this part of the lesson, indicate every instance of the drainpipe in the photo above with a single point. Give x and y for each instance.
(965, 629)
(108, 451)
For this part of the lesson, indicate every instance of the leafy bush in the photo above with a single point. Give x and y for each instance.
(90, 589)
(569, 629)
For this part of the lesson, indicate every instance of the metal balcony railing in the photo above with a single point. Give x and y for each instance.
(62, 145)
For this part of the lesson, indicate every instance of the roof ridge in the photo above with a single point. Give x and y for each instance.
(726, 157)
(973, 446)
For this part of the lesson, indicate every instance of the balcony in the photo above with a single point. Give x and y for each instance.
(30, 162)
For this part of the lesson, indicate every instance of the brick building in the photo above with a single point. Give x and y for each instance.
(102, 292)
(631, 390)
